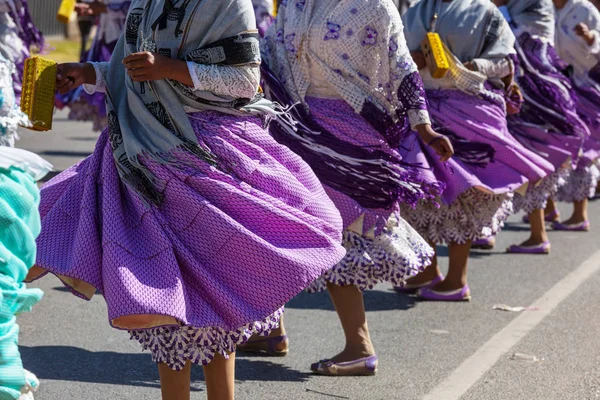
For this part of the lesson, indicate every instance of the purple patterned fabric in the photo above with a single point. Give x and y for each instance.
(220, 252)
(477, 120)
(588, 107)
(580, 184)
(536, 197)
(548, 123)
(366, 169)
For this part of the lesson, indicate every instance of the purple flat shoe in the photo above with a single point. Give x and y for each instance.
(408, 288)
(463, 294)
(542, 248)
(552, 217)
(486, 243)
(362, 367)
(580, 227)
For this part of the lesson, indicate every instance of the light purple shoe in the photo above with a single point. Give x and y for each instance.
(580, 227)
(542, 248)
(485, 243)
(554, 216)
(408, 288)
(463, 294)
(362, 367)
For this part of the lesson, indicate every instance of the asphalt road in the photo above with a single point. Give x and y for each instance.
(443, 351)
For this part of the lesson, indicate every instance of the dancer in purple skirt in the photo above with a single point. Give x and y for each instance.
(467, 104)
(190, 219)
(355, 92)
(111, 22)
(548, 123)
(578, 44)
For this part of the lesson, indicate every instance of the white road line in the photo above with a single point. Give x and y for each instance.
(474, 367)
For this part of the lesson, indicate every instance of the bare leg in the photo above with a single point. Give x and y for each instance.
(175, 385)
(430, 273)
(350, 307)
(551, 208)
(457, 269)
(220, 378)
(579, 212)
(538, 229)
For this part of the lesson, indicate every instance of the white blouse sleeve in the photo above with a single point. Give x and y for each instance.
(101, 69)
(224, 80)
(497, 68)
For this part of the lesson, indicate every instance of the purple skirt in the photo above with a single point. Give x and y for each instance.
(475, 120)
(588, 106)
(388, 249)
(477, 198)
(221, 255)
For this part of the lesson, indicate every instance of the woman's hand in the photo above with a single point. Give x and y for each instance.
(419, 59)
(72, 75)
(500, 3)
(146, 66)
(470, 65)
(440, 143)
(583, 31)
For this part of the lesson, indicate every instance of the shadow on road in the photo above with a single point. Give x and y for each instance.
(375, 300)
(73, 364)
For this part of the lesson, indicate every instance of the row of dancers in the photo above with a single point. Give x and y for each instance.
(208, 203)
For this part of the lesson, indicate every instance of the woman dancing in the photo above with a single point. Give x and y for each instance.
(192, 221)
(548, 123)
(489, 163)
(357, 93)
(578, 45)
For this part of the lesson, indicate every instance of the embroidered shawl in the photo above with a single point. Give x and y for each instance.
(149, 118)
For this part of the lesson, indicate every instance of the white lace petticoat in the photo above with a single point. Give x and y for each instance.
(472, 215)
(395, 255)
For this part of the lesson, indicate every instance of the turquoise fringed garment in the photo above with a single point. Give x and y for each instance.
(19, 227)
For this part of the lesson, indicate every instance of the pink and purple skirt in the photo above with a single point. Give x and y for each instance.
(214, 263)
(388, 249)
(478, 194)
(548, 123)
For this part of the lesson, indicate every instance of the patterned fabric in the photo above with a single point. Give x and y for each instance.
(535, 17)
(474, 214)
(225, 249)
(357, 46)
(175, 345)
(19, 226)
(550, 103)
(394, 255)
(537, 196)
(580, 184)
(264, 11)
(475, 120)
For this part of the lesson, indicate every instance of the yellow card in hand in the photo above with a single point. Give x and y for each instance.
(435, 55)
(66, 9)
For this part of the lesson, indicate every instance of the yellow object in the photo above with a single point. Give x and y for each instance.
(66, 9)
(39, 86)
(435, 56)
(275, 7)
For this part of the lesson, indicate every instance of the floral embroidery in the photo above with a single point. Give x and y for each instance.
(289, 43)
(300, 5)
(349, 32)
(392, 47)
(364, 77)
(333, 31)
(370, 37)
(279, 35)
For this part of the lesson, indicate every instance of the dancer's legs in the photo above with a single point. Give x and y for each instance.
(349, 304)
(219, 375)
(456, 278)
(538, 233)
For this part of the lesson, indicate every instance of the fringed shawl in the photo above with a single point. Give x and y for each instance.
(149, 119)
